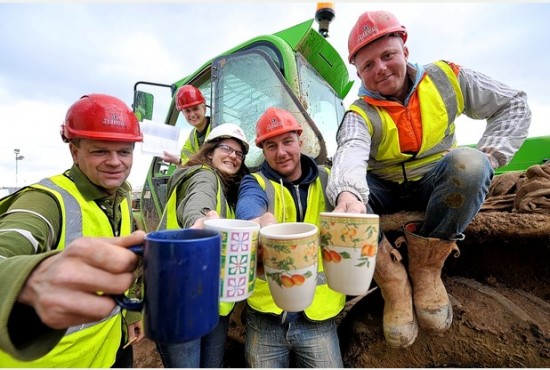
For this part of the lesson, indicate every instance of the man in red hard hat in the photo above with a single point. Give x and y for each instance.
(191, 103)
(290, 187)
(397, 151)
(64, 240)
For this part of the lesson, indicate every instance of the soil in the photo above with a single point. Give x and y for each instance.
(500, 295)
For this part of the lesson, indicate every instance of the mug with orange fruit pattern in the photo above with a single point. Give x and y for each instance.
(349, 242)
(290, 253)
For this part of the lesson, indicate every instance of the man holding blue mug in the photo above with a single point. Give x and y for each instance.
(64, 239)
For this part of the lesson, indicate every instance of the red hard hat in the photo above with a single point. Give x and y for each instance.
(273, 122)
(371, 26)
(100, 117)
(188, 96)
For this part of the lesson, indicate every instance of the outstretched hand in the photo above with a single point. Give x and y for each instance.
(266, 219)
(199, 224)
(74, 286)
(171, 158)
(348, 203)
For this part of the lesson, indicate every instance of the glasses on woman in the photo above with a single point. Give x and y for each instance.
(228, 150)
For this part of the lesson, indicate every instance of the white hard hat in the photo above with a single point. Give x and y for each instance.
(228, 131)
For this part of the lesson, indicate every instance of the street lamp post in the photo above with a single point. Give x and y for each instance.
(17, 159)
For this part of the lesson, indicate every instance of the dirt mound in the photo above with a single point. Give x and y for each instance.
(146, 355)
(500, 295)
(492, 327)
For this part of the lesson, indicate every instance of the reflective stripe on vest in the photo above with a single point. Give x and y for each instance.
(326, 302)
(439, 96)
(169, 219)
(192, 145)
(92, 344)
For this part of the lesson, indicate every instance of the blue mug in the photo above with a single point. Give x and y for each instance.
(181, 274)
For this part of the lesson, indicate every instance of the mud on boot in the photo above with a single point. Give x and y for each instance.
(426, 258)
(400, 327)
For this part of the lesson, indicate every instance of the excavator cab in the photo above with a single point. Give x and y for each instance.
(295, 69)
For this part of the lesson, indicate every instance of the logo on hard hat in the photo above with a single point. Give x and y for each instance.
(367, 31)
(113, 120)
(275, 123)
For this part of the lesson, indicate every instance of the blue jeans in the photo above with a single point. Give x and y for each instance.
(269, 342)
(450, 194)
(205, 352)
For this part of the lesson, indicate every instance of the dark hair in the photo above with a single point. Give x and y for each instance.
(230, 183)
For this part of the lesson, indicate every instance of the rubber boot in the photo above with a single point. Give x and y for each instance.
(400, 327)
(426, 258)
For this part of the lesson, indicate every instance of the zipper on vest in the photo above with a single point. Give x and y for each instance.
(300, 208)
(114, 227)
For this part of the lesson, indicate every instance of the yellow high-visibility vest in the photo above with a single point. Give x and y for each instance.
(93, 344)
(326, 302)
(169, 219)
(440, 102)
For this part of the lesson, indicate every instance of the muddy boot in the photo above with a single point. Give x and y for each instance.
(400, 328)
(426, 257)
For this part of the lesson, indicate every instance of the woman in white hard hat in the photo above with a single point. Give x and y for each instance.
(209, 180)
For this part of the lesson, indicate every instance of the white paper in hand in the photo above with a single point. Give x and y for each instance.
(158, 137)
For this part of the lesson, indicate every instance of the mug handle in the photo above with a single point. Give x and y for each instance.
(131, 304)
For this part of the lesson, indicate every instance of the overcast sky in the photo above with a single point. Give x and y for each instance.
(53, 53)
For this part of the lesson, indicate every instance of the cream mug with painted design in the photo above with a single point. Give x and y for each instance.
(238, 251)
(290, 259)
(349, 243)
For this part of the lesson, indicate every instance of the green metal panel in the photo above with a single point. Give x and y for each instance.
(320, 54)
(535, 150)
(302, 38)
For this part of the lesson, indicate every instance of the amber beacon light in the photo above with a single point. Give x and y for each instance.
(324, 15)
